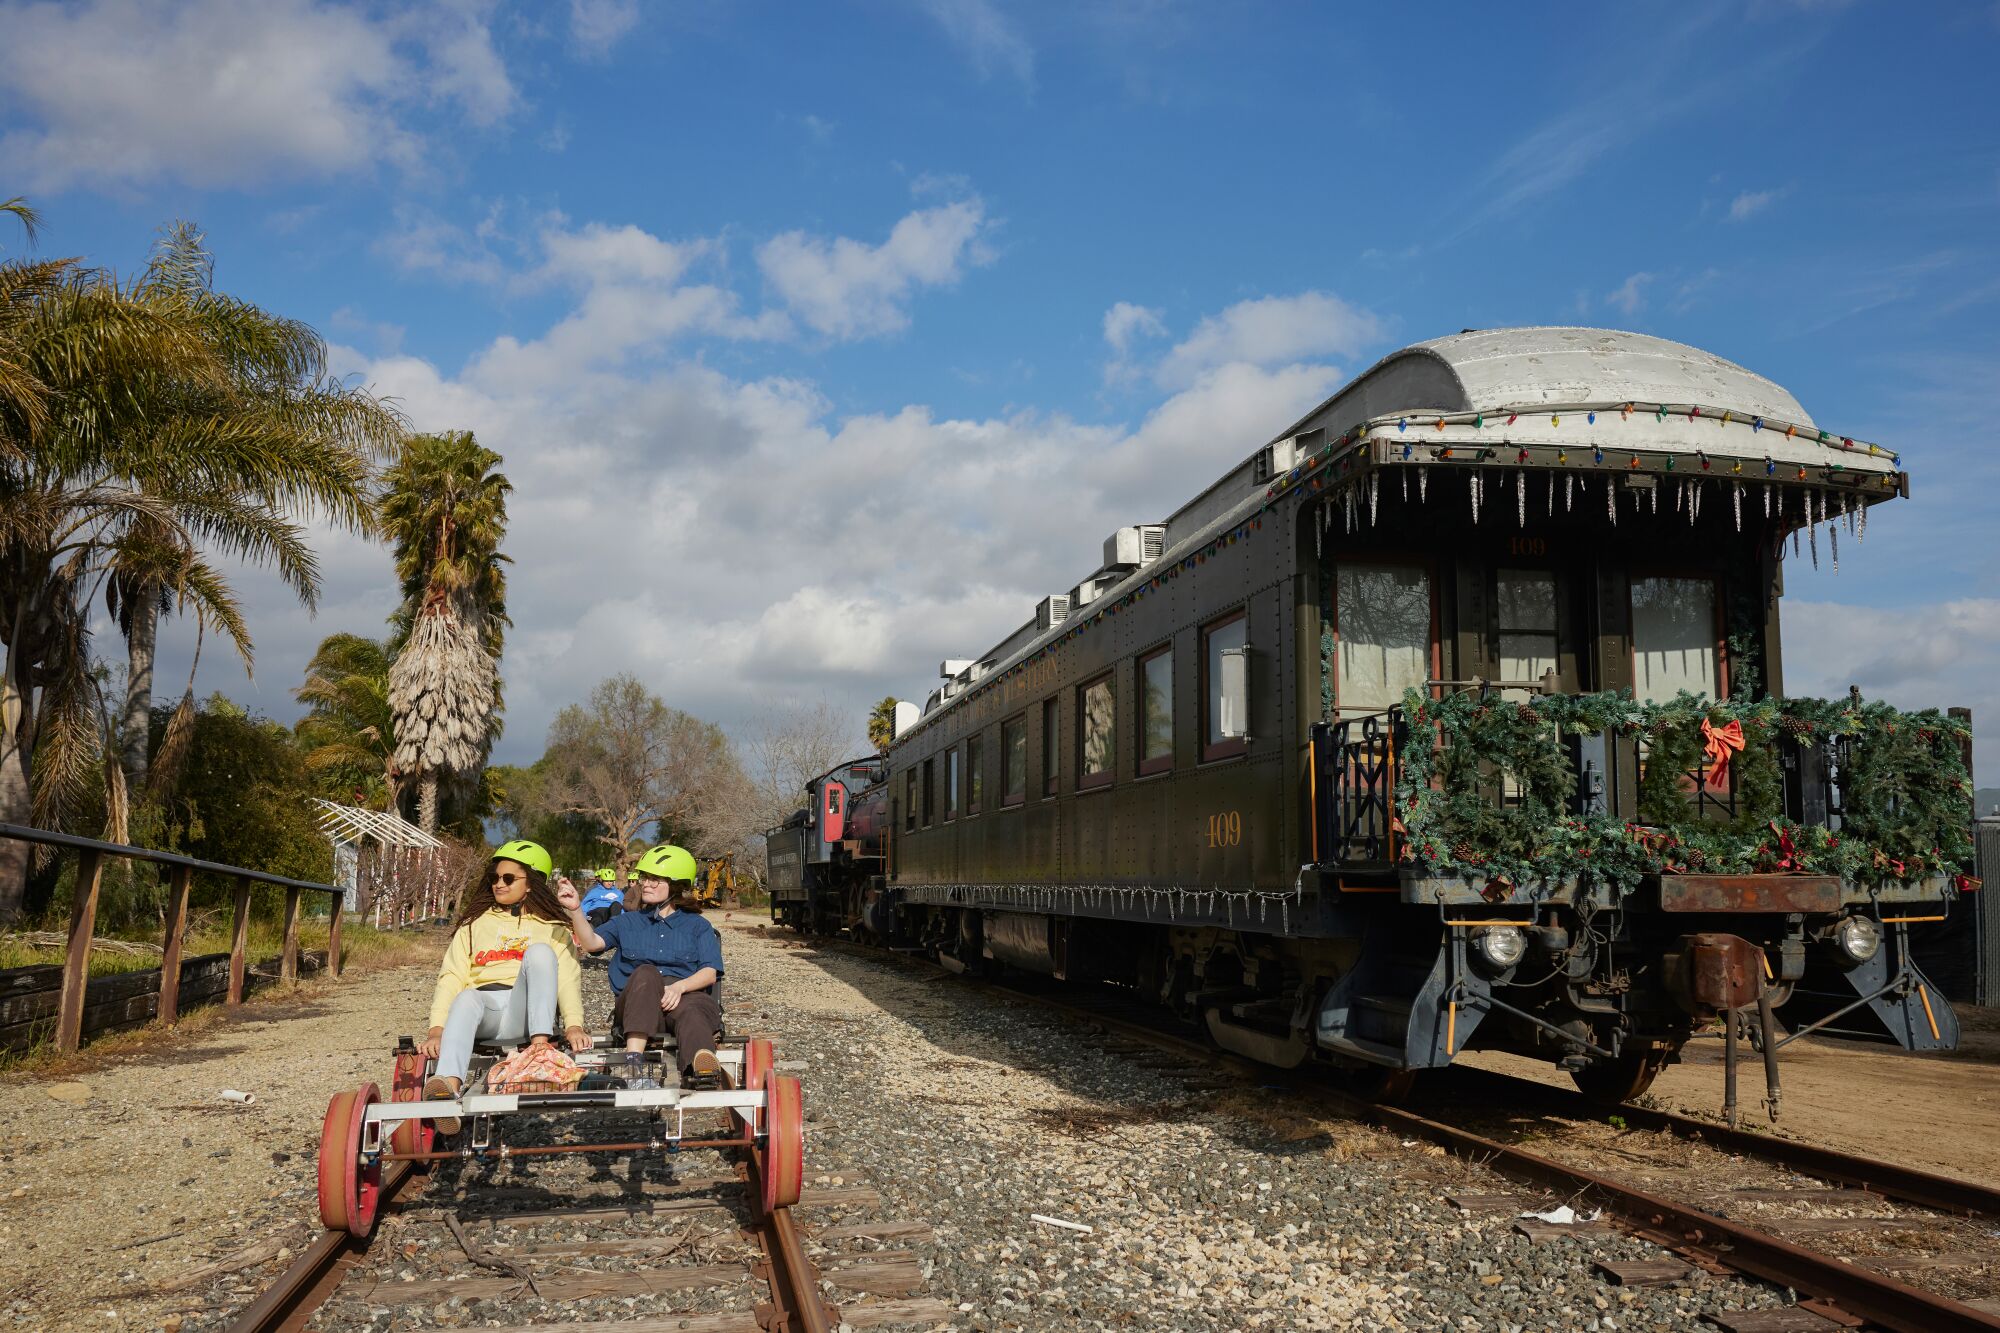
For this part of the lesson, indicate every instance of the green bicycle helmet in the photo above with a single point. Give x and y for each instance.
(529, 854)
(668, 862)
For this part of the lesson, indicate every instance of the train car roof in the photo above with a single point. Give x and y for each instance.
(1450, 386)
(1492, 370)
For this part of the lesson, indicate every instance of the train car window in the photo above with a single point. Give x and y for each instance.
(951, 784)
(1014, 761)
(1524, 603)
(910, 801)
(1224, 699)
(1051, 749)
(1382, 616)
(930, 791)
(1156, 711)
(1096, 732)
(1674, 638)
(975, 772)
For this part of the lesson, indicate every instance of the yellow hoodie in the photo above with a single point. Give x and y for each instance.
(487, 951)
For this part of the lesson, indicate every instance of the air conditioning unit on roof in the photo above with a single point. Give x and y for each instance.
(1139, 545)
(1051, 611)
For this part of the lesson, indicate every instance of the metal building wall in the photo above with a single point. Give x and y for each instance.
(1986, 838)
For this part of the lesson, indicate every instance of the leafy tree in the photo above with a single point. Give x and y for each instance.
(445, 511)
(132, 453)
(627, 762)
(882, 724)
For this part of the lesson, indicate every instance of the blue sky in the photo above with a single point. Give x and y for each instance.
(736, 287)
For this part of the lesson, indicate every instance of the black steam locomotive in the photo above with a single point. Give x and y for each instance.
(1449, 719)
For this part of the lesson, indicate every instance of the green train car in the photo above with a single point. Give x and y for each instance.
(1451, 718)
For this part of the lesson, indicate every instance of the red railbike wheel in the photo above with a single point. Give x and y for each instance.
(406, 1084)
(758, 1062)
(349, 1191)
(784, 1161)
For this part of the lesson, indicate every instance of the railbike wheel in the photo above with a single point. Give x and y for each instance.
(758, 1062)
(349, 1192)
(784, 1162)
(407, 1085)
(1614, 1082)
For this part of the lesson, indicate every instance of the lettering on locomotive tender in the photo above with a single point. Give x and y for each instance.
(1527, 546)
(1225, 829)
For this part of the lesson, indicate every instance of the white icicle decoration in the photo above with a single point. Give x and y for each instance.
(1680, 496)
(1374, 496)
(1833, 544)
(1861, 529)
(1552, 495)
(1569, 492)
(1812, 533)
(1736, 498)
(1347, 510)
(1423, 485)
(1611, 502)
(1473, 491)
(1521, 499)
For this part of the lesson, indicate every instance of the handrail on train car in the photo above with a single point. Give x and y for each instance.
(91, 853)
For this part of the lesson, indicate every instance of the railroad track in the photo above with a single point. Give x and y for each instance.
(1836, 1290)
(701, 1235)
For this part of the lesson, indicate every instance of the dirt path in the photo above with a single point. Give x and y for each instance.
(1938, 1112)
(122, 1180)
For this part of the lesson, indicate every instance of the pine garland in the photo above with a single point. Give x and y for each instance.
(1905, 790)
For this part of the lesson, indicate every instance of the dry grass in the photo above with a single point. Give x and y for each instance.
(363, 949)
(208, 932)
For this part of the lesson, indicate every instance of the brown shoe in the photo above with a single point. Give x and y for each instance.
(706, 1064)
(439, 1089)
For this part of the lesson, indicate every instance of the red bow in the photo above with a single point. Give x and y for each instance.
(1719, 744)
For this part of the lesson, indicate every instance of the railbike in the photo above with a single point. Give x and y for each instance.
(1450, 719)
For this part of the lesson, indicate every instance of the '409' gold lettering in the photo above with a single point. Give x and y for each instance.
(1225, 829)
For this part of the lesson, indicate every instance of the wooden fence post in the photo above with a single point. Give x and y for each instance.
(170, 957)
(288, 966)
(238, 939)
(333, 936)
(76, 966)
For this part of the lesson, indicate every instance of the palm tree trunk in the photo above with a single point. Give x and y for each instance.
(16, 796)
(140, 646)
(427, 801)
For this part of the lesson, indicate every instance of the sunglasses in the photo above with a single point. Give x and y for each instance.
(506, 877)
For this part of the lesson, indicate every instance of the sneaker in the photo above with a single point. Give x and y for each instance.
(439, 1089)
(706, 1064)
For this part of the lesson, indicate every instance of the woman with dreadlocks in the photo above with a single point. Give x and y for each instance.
(508, 971)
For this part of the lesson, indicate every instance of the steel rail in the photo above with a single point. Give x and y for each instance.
(1890, 1180)
(1872, 1296)
(286, 1305)
(796, 1305)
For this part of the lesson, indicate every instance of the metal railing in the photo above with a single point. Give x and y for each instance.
(91, 855)
(1354, 787)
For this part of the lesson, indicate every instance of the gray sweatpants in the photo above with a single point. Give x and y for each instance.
(526, 1009)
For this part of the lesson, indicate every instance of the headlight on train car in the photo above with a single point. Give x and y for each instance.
(1858, 937)
(1501, 946)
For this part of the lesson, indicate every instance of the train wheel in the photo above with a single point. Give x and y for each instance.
(758, 1062)
(1615, 1082)
(349, 1192)
(784, 1173)
(1375, 1083)
(407, 1085)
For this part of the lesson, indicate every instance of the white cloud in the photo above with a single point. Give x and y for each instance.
(115, 93)
(849, 289)
(597, 25)
(985, 36)
(1923, 655)
(1750, 203)
(1270, 331)
(422, 242)
(1629, 297)
(1124, 322)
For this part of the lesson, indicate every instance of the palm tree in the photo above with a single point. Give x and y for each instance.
(882, 724)
(445, 510)
(133, 453)
(349, 736)
(273, 426)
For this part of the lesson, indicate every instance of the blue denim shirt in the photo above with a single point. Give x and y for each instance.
(679, 945)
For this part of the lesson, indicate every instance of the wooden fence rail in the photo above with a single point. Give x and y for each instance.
(91, 855)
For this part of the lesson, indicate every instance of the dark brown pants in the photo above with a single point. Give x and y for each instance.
(695, 1021)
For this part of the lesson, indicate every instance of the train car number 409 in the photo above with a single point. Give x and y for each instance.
(1225, 829)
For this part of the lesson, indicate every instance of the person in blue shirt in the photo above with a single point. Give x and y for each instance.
(668, 963)
(604, 901)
